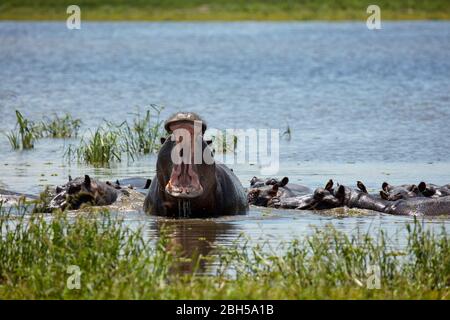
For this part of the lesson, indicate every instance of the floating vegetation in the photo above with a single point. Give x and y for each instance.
(118, 262)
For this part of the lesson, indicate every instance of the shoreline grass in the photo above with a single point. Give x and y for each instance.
(36, 252)
(224, 10)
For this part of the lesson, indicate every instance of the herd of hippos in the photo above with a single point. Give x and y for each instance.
(206, 190)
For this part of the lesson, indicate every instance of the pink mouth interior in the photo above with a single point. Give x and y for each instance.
(184, 182)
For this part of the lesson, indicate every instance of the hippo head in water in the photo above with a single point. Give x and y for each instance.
(393, 193)
(83, 191)
(182, 169)
(188, 181)
(262, 191)
(322, 198)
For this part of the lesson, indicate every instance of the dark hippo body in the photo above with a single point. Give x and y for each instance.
(83, 191)
(393, 193)
(138, 183)
(188, 187)
(434, 191)
(227, 197)
(418, 206)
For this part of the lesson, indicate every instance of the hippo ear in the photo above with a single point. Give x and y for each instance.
(340, 193)
(148, 183)
(329, 185)
(385, 186)
(422, 186)
(361, 186)
(274, 190)
(283, 182)
(118, 182)
(87, 181)
(384, 195)
(70, 178)
(162, 140)
(253, 181)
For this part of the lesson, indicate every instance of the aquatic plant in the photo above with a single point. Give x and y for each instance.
(224, 142)
(37, 253)
(110, 141)
(23, 135)
(142, 135)
(98, 149)
(59, 127)
(26, 132)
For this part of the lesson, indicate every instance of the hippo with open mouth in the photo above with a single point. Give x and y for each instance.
(188, 182)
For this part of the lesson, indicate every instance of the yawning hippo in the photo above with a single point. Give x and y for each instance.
(188, 182)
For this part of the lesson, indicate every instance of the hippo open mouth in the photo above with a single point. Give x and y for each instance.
(184, 182)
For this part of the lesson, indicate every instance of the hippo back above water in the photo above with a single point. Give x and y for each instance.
(188, 182)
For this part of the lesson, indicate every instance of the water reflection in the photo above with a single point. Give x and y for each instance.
(194, 239)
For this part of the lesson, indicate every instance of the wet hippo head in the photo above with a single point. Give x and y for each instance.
(393, 193)
(83, 190)
(261, 196)
(432, 190)
(322, 198)
(185, 165)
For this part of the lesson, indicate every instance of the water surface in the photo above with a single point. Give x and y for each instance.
(361, 105)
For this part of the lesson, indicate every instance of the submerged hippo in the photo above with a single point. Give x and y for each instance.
(393, 193)
(413, 206)
(263, 192)
(188, 183)
(434, 191)
(83, 190)
(320, 199)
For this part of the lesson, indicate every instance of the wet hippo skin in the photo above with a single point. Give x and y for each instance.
(194, 189)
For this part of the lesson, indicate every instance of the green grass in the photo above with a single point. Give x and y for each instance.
(99, 149)
(110, 141)
(117, 262)
(142, 135)
(224, 10)
(59, 127)
(26, 132)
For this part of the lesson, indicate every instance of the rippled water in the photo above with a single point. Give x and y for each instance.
(362, 105)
